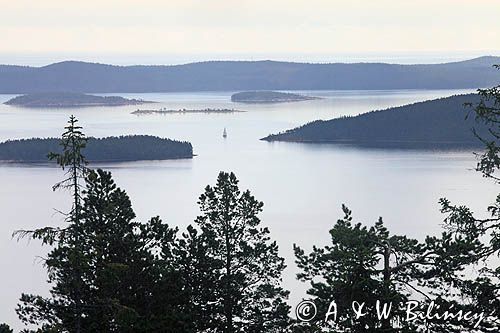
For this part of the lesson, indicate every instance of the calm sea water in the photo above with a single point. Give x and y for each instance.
(302, 185)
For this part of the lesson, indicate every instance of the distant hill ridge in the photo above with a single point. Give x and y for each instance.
(246, 75)
(444, 121)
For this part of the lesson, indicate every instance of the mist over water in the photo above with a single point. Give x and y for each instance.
(302, 185)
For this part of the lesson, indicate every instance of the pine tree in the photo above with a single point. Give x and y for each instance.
(167, 303)
(245, 261)
(366, 265)
(197, 274)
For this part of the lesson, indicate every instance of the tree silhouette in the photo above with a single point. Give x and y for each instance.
(482, 289)
(246, 261)
(68, 240)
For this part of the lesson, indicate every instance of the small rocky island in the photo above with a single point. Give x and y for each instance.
(110, 149)
(70, 100)
(165, 111)
(268, 97)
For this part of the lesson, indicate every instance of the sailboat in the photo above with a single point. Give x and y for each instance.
(224, 134)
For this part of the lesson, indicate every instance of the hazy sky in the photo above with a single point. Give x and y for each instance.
(241, 28)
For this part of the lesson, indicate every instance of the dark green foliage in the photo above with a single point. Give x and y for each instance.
(105, 268)
(368, 265)
(246, 263)
(68, 99)
(4, 328)
(488, 113)
(111, 149)
(481, 287)
(142, 278)
(128, 278)
(197, 277)
(133, 282)
(67, 261)
(110, 273)
(442, 122)
(348, 270)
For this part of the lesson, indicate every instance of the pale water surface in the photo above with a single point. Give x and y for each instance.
(302, 185)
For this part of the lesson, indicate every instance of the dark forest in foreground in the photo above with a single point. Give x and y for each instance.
(441, 122)
(223, 273)
(111, 149)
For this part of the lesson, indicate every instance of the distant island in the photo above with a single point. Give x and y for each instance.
(246, 76)
(110, 149)
(440, 122)
(164, 111)
(69, 100)
(268, 97)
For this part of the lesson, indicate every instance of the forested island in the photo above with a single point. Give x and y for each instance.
(246, 76)
(110, 149)
(437, 122)
(164, 111)
(268, 97)
(70, 99)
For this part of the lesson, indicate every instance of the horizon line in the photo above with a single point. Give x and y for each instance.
(249, 61)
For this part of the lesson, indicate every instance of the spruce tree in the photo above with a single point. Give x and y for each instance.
(65, 309)
(134, 282)
(104, 268)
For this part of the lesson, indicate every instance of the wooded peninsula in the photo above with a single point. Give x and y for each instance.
(440, 122)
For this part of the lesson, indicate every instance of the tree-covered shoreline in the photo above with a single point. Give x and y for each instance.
(445, 122)
(110, 149)
(70, 100)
